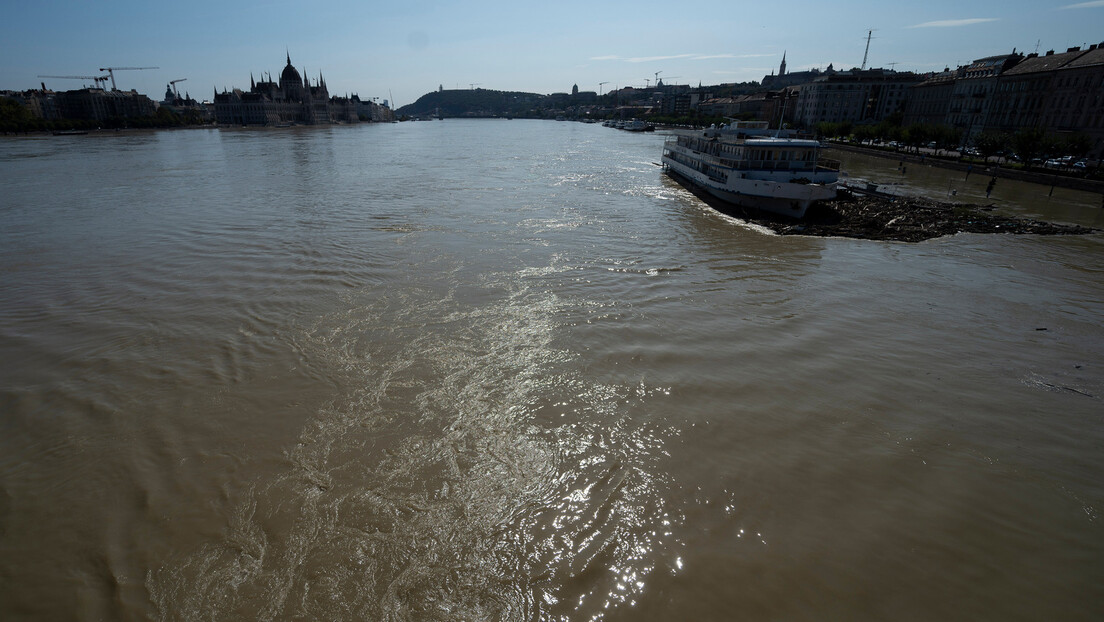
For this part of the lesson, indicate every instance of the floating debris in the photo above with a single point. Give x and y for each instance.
(897, 218)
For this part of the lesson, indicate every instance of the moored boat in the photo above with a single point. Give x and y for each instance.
(744, 164)
(636, 125)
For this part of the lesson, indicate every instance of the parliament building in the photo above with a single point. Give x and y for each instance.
(291, 101)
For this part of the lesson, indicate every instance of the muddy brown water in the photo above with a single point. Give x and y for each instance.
(510, 371)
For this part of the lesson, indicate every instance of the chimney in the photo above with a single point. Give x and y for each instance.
(1050, 53)
(1076, 49)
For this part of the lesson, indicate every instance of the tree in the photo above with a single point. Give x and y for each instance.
(1030, 144)
(14, 116)
(989, 143)
(947, 137)
(864, 133)
(916, 135)
(826, 129)
(1078, 145)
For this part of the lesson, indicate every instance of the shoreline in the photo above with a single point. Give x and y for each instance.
(990, 169)
(893, 219)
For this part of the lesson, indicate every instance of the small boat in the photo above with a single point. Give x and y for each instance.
(70, 132)
(635, 125)
(744, 164)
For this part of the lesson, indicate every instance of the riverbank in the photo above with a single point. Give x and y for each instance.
(912, 219)
(890, 218)
(989, 169)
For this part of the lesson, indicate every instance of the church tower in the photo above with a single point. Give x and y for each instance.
(782, 67)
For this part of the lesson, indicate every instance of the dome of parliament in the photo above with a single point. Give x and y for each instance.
(290, 73)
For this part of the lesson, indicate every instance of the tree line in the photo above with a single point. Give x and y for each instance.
(16, 118)
(1029, 145)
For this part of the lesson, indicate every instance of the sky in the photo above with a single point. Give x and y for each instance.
(403, 49)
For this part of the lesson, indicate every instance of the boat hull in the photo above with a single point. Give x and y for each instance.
(782, 198)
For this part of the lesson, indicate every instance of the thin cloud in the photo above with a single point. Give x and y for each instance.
(651, 59)
(1085, 5)
(640, 59)
(952, 23)
(712, 56)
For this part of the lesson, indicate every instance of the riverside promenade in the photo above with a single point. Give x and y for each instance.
(990, 169)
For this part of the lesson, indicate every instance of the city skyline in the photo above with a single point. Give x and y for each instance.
(403, 52)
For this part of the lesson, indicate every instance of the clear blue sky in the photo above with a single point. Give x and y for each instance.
(410, 47)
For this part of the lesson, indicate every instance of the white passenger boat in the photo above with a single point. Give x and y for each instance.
(746, 164)
(636, 125)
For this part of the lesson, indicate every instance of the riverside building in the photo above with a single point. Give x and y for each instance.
(292, 100)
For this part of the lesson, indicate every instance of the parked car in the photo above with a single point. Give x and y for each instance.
(1062, 162)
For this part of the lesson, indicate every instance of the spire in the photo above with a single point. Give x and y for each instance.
(289, 58)
(782, 67)
(252, 84)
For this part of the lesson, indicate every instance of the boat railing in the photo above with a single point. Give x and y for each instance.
(822, 164)
(771, 165)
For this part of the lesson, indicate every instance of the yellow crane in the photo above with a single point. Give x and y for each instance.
(96, 79)
(173, 83)
(111, 72)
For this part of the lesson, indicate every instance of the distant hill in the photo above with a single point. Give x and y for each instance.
(474, 103)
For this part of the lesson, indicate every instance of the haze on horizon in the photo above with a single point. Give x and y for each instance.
(403, 51)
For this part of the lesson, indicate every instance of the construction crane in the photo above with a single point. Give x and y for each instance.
(96, 79)
(600, 88)
(111, 72)
(656, 76)
(864, 54)
(474, 84)
(173, 84)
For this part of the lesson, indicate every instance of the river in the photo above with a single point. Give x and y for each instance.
(507, 370)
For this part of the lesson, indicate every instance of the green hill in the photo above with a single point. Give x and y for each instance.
(475, 103)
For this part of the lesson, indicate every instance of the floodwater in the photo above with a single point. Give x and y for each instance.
(507, 370)
(1018, 198)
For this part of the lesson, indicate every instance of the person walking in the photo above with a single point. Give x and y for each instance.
(989, 188)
